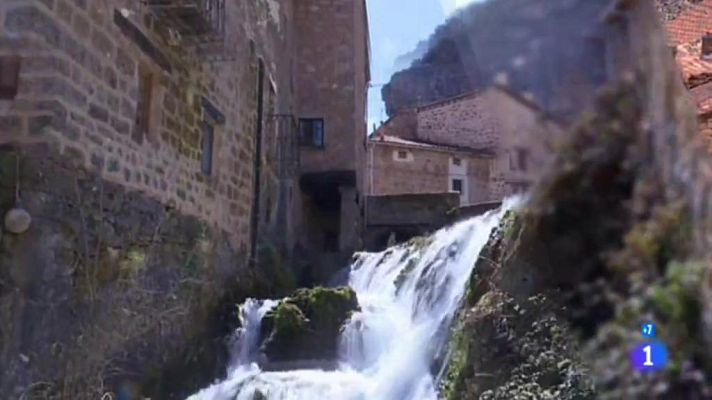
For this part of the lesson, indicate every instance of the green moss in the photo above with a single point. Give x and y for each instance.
(676, 299)
(133, 263)
(307, 324)
(325, 306)
(289, 320)
(458, 367)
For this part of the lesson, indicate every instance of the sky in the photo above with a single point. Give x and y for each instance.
(396, 28)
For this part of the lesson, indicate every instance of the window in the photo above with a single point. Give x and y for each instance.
(519, 160)
(522, 158)
(9, 76)
(206, 161)
(144, 104)
(311, 132)
(402, 156)
(457, 185)
(456, 161)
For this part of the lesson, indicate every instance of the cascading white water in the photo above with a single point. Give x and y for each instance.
(408, 296)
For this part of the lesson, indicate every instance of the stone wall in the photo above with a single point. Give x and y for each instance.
(403, 216)
(466, 121)
(79, 89)
(331, 78)
(133, 243)
(108, 286)
(426, 170)
(325, 80)
(528, 139)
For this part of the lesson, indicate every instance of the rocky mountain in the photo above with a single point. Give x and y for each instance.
(512, 39)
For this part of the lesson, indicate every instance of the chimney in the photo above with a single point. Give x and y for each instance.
(707, 46)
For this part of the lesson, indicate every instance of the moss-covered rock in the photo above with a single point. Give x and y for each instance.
(306, 325)
(603, 245)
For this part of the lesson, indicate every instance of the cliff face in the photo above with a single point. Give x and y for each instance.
(546, 47)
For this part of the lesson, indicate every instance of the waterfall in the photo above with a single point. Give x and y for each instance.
(408, 294)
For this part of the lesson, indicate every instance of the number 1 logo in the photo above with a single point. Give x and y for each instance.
(649, 357)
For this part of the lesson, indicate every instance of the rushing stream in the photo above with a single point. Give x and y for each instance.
(408, 296)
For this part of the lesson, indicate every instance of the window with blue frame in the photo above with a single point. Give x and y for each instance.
(311, 132)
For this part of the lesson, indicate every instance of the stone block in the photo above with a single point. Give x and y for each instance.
(125, 64)
(30, 18)
(98, 113)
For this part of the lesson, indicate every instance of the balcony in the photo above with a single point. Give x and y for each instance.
(196, 21)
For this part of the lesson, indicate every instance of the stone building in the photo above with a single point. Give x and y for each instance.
(690, 34)
(156, 147)
(332, 64)
(399, 166)
(485, 145)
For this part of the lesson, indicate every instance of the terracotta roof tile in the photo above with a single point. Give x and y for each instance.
(692, 24)
(695, 70)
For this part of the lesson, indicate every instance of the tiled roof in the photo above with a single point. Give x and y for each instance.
(695, 70)
(692, 24)
(405, 142)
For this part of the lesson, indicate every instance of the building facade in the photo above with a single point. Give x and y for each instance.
(149, 152)
(486, 145)
(332, 76)
(400, 166)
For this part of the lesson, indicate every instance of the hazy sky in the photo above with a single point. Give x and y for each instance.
(396, 28)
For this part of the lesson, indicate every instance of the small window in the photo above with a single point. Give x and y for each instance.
(456, 161)
(311, 132)
(522, 159)
(402, 155)
(457, 185)
(519, 160)
(9, 76)
(144, 105)
(206, 161)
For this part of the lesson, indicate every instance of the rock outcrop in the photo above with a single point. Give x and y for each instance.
(306, 325)
(560, 292)
(545, 47)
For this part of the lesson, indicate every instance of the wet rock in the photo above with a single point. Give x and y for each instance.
(17, 221)
(306, 325)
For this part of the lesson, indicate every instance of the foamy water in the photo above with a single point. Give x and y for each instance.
(408, 294)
